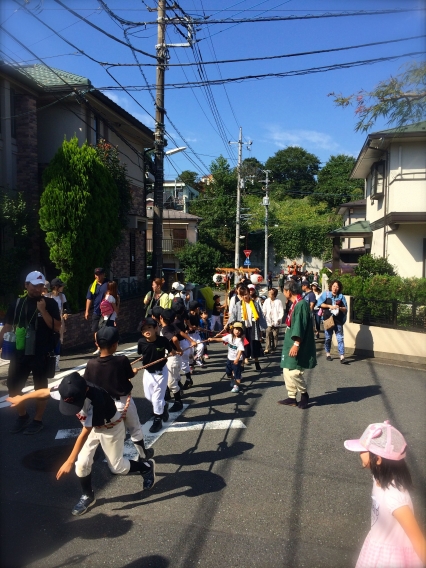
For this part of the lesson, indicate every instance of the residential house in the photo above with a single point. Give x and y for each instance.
(393, 165)
(177, 195)
(352, 247)
(40, 106)
(178, 228)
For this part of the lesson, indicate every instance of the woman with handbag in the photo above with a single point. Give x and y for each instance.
(335, 309)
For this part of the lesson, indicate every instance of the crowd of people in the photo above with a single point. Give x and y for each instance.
(175, 332)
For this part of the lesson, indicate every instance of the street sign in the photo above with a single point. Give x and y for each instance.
(247, 262)
(247, 253)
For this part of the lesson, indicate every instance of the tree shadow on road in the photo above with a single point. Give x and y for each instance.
(343, 395)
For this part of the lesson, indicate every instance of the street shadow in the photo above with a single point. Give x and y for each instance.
(27, 539)
(191, 457)
(343, 395)
(182, 483)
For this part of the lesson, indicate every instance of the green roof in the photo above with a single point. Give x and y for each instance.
(415, 127)
(358, 229)
(51, 77)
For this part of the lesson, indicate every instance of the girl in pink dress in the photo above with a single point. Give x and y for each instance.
(395, 539)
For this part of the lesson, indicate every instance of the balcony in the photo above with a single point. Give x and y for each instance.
(169, 245)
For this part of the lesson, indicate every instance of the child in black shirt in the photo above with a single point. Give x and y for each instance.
(153, 349)
(101, 424)
(114, 374)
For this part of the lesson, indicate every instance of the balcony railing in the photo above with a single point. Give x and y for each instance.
(169, 245)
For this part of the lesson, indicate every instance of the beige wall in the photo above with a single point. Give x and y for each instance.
(383, 342)
(348, 219)
(405, 249)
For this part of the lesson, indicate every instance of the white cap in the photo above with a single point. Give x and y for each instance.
(177, 286)
(35, 278)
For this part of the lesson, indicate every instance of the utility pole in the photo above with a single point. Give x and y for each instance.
(157, 210)
(240, 184)
(266, 205)
(159, 140)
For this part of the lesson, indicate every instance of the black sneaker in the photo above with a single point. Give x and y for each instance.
(329, 358)
(304, 401)
(166, 413)
(149, 453)
(20, 423)
(156, 425)
(288, 402)
(177, 406)
(149, 476)
(33, 428)
(86, 501)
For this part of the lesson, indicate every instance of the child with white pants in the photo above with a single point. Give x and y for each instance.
(172, 333)
(153, 349)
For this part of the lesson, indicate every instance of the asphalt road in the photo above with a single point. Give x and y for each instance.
(282, 492)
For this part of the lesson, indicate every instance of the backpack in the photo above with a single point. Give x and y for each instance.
(106, 308)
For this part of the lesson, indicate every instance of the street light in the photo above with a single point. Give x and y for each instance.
(175, 150)
(157, 209)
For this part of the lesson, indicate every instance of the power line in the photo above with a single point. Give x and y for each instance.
(101, 30)
(282, 56)
(293, 73)
(208, 21)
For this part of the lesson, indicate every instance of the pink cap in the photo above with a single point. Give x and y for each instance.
(381, 439)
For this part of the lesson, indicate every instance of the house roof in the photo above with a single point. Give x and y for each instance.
(377, 143)
(357, 229)
(52, 77)
(43, 79)
(360, 204)
(173, 214)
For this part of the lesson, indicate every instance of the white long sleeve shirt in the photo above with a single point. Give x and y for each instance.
(273, 312)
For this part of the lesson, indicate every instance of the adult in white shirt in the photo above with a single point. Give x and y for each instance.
(274, 312)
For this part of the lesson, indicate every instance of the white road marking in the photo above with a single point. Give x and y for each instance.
(130, 451)
(215, 425)
(61, 375)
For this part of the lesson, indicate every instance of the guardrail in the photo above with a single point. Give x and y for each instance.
(389, 313)
(169, 245)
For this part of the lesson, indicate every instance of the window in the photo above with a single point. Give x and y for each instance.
(132, 247)
(377, 179)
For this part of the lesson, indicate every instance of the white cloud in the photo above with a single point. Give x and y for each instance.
(298, 137)
(121, 101)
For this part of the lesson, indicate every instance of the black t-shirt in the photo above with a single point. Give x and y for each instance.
(216, 309)
(180, 321)
(112, 373)
(154, 351)
(170, 331)
(27, 315)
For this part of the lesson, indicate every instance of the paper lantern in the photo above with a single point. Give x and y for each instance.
(218, 278)
(256, 278)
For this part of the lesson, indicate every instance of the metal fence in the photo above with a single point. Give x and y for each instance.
(169, 245)
(133, 289)
(389, 313)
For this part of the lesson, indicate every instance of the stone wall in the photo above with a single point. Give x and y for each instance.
(78, 332)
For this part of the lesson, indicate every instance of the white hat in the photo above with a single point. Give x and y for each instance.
(177, 286)
(252, 286)
(35, 278)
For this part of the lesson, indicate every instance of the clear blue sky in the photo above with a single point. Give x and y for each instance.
(273, 113)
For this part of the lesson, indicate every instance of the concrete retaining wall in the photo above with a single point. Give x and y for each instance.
(382, 342)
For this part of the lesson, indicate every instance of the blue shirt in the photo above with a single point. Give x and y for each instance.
(97, 297)
(341, 297)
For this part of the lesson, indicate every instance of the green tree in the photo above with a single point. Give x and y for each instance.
(293, 172)
(334, 186)
(14, 228)
(370, 265)
(189, 178)
(79, 212)
(401, 99)
(217, 208)
(109, 156)
(199, 262)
